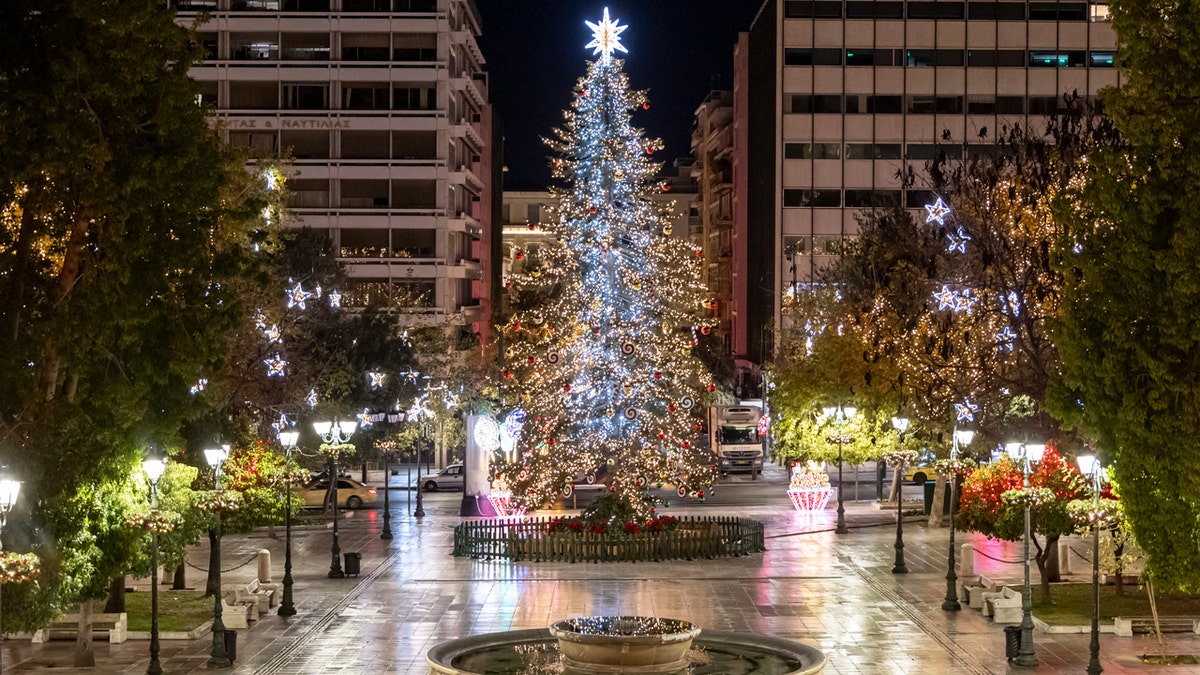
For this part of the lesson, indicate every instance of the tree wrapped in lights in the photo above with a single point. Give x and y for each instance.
(600, 352)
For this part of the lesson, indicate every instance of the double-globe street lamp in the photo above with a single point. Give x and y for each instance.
(9, 489)
(962, 437)
(840, 414)
(154, 465)
(1026, 454)
(1089, 465)
(421, 413)
(900, 424)
(288, 439)
(219, 658)
(335, 433)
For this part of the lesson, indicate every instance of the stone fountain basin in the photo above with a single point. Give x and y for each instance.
(487, 654)
(636, 644)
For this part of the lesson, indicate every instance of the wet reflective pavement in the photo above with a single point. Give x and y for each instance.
(835, 592)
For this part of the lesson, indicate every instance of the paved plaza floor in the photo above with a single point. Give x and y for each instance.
(835, 592)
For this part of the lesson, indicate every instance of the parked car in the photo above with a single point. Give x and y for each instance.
(352, 493)
(449, 478)
(922, 471)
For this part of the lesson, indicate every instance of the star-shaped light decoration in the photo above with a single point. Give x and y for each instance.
(958, 241)
(947, 299)
(1014, 303)
(282, 423)
(411, 375)
(311, 399)
(275, 366)
(260, 321)
(364, 418)
(1006, 339)
(966, 410)
(335, 299)
(377, 379)
(937, 212)
(272, 333)
(964, 301)
(199, 386)
(606, 37)
(406, 339)
(297, 297)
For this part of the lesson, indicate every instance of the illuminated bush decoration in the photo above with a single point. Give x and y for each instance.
(158, 521)
(18, 567)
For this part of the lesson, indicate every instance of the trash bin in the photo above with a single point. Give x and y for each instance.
(930, 486)
(231, 644)
(1012, 641)
(353, 563)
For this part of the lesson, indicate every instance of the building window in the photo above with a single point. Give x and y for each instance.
(1056, 59)
(885, 105)
(812, 151)
(873, 151)
(812, 57)
(827, 244)
(796, 246)
(932, 151)
(996, 11)
(934, 57)
(1058, 11)
(801, 9)
(802, 198)
(305, 96)
(872, 198)
(1097, 59)
(929, 105)
(1010, 105)
(1012, 58)
(916, 199)
(874, 10)
(804, 103)
(1044, 105)
(1099, 12)
(935, 10)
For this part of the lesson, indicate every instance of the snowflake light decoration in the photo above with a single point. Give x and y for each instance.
(275, 366)
(335, 299)
(311, 399)
(937, 212)
(298, 297)
(1006, 339)
(966, 410)
(377, 379)
(958, 241)
(606, 37)
(199, 386)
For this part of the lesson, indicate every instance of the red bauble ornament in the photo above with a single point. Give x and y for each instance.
(566, 387)
(645, 106)
(657, 375)
(533, 226)
(583, 92)
(507, 373)
(685, 445)
(649, 150)
(520, 255)
(612, 488)
(666, 188)
(508, 284)
(596, 330)
(697, 426)
(700, 494)
(531, 360)
(550, 441)
(699, 254)
(670, 407)
(705, 330)
(591, 209)
(711, 387)
(661, 435)
(517, 326)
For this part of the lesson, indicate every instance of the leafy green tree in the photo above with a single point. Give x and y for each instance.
(1127, 335)
(993, 503)
(125, 222)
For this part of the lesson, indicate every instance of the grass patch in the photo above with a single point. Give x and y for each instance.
(1071, 604)
(177, 610)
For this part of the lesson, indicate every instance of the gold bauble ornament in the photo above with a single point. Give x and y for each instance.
(667, 230)
(609, 411)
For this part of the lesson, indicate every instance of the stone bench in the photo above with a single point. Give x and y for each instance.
(1004, 606)
(237, 615)
(1126, 626)
(113, 627)
(973, 590)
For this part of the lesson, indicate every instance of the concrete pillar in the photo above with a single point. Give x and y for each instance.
(1064, 557)
(264, 566)
(966, 564)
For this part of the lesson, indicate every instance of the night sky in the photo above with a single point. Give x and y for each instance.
(535, 53)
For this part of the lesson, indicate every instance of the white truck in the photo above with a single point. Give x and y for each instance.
(734, 439)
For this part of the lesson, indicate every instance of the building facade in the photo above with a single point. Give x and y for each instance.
(712, 169)
(383, 107)
(840, 98)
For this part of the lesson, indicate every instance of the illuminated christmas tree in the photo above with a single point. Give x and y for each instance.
(600, 349)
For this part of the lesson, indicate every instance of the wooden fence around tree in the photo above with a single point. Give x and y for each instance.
(531, 540)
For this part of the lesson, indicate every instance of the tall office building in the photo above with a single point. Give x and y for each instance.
(383, 105)
(834, 99)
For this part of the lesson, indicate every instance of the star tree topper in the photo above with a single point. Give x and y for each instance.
(606, 37)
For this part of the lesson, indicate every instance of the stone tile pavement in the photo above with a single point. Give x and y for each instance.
(835, 592)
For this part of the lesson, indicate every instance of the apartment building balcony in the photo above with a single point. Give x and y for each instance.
(467, 131)
(470, 87)
(406, 8)
(466, 38)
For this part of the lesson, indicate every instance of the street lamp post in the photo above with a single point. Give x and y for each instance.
(900, 424)
(1026, 454)
(288, 439)
(154, 465)
(1089, 465)
(218, 658)
(962, 437)
(419, 512)
(840, 415)
(9, 489)
(335, 433)
(387, 505)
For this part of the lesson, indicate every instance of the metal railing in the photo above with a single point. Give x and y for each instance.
(531, 540)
